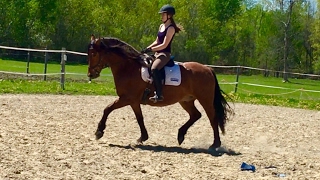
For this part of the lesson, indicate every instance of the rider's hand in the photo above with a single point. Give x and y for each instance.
(146, 50)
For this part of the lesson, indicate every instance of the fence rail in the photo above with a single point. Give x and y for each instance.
(64, 53)
(43, 50)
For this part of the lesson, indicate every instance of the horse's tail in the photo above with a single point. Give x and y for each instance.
(221, 106)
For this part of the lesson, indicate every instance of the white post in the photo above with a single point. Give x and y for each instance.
(45, 65)
(63, 63)
(28, 62)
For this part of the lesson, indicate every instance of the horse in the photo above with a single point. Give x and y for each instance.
(198, 82)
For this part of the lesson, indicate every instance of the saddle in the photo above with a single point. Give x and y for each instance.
(170, 63)
(169, 74)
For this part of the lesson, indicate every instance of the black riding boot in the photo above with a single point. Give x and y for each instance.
(158, 85)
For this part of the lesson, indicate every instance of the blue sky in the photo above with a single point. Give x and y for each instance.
(313, 2)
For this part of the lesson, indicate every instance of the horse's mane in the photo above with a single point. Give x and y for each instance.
(125, 49)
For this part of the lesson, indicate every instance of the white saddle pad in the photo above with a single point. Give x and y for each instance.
(173, 75)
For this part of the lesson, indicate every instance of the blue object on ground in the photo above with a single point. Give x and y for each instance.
(247, 167)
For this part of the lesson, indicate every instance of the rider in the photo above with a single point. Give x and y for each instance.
(162, 47)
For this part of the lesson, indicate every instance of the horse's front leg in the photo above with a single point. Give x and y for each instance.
(120, 102)
(138, 113)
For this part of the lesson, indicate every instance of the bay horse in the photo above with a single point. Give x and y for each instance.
(198, 82)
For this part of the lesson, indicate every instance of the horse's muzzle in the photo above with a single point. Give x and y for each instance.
(93, 75)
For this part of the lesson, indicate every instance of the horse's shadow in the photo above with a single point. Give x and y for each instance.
(158, 148)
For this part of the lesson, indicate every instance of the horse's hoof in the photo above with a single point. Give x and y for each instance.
(180, 139)
(99, 134)
(181, 134)
(142, 139)
(139, 141)
(215, 145)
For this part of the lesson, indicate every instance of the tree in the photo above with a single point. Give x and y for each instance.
(315, 39)
(281, 35)
(286, 24)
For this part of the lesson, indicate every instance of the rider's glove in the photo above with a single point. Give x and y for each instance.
(146, 50)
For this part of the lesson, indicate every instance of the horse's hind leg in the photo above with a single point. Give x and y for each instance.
(138, 113)
(194, 116)
(207, 104)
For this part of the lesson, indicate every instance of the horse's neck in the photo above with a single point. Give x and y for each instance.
(121, 66)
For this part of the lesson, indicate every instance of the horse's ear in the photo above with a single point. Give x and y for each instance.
(93, 39)
(92, 44)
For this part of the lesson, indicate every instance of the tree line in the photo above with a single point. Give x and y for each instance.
(282, 35)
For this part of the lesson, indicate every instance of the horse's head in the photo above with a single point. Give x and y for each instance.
(96, 57)
(111, 52)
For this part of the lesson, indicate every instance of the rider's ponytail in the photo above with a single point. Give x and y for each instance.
(178, 27)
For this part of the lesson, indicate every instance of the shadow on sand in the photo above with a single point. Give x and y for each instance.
(157, 148)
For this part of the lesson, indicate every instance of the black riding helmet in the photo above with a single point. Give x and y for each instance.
(167, 9)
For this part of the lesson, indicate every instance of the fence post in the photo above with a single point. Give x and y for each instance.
(237, 79)
(45, 65)
(28, 62)
(63, 63)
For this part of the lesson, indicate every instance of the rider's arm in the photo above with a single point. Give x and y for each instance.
(166, 41)
(153, 44)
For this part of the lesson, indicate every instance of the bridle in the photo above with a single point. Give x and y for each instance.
(107, 49)
(100, 59)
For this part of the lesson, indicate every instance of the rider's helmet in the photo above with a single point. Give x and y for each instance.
(167, 9)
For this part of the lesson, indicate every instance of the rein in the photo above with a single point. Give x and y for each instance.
(142, 59)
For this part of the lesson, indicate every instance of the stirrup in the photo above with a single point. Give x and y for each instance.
(156, 98)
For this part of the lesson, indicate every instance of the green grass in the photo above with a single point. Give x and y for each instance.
(78, 84)
(295, 89)
(294, 96)
(38, 68)
(19, 86)
(19, 66)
